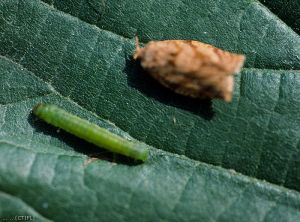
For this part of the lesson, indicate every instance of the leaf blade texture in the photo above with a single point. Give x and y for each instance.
(57, 52)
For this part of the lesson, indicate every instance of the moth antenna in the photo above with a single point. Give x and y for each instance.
(137, 43)
(137, 47)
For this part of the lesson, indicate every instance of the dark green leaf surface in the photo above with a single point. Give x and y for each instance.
(244, 26)
(21, 209)
(288, 11)
(52, 56)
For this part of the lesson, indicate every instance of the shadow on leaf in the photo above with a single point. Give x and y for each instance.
(143, 82)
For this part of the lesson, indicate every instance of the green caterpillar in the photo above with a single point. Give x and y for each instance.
(89, 131)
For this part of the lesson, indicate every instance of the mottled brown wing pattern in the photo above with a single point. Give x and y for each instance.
(191, 68)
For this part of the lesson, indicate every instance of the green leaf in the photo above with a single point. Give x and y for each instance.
(288, 11)
(210, 161)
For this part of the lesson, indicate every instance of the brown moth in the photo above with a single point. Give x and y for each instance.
(190, 67)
